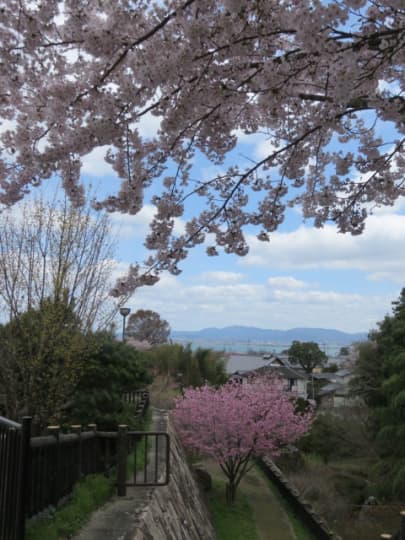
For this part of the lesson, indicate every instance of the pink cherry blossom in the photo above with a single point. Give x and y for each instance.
(237, 421)
(323, 80)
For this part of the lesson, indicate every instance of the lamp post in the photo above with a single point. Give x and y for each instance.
(124, 311)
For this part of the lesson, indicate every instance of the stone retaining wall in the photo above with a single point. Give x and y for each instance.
(173, 512)
(176, 511)
(304, 510)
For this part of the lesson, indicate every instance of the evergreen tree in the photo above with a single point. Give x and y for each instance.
(43, 353)
(307, 354)
(368, 373)
(112, 370)
(381, 380)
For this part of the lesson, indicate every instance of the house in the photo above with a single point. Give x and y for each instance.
(324, 377)
(336, 395)
(295, 381)
(279, 360)
(343, 376)
(239, 377)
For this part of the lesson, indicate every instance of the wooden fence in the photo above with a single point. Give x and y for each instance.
(400, 534)
(37, 473)
(14, 463)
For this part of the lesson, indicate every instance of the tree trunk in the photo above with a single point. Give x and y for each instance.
(230, 492)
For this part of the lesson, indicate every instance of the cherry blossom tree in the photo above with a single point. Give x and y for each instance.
(236, 422)
(323, 81)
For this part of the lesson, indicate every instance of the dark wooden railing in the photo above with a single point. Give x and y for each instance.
(60, 460)
(37, 473)
(14, 465)
(399, 535)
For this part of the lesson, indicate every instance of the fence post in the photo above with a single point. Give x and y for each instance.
(55, 431)
(77, 428)
(146, 396)
(91, 467)
(402, 525)
(122, 460)
(24, 476)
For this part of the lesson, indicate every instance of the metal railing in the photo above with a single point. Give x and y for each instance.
(150, 453)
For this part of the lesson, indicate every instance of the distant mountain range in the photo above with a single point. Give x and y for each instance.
(251, 333)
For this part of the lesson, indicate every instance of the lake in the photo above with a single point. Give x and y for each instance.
(331, 349)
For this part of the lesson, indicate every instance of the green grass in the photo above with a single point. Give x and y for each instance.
(300, 530)
(231, 522)
(142, 425)
(88, 495)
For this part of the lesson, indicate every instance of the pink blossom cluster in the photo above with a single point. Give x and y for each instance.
(237, 420)
(316, 77)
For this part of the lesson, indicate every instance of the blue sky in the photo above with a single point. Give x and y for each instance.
(302, 277)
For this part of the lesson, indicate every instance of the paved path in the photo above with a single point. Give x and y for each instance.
(117, 519)
(272, 522)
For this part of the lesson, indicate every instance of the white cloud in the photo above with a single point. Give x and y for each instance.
(316, 297)
(394, 87)
(262, 145)
(396, 208)
(222, 277)
(188, 306)
(221, 297)
(379, 249)
(95, 165)
(133, 226)
(119, 270)
(149, 125)
(6, 125)
(395, 277)
(137, 226)
(264, 148)
(286, 283)
(247, 138)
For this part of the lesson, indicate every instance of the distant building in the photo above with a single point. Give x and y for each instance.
(295, 381)
(336, 395)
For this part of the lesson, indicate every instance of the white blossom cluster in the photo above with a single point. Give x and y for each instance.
(317, 77)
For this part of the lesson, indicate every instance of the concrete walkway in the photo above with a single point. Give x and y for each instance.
(118, 518)
(272, 522)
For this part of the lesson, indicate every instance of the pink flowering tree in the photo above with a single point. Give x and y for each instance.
(236, 422)
(323, 82)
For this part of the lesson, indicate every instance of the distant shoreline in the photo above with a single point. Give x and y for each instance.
(253, 348)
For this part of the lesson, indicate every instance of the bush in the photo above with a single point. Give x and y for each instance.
(327, 438)
(115, 368)
(187, 367)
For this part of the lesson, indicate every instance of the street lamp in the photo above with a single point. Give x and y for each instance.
(124, 311)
